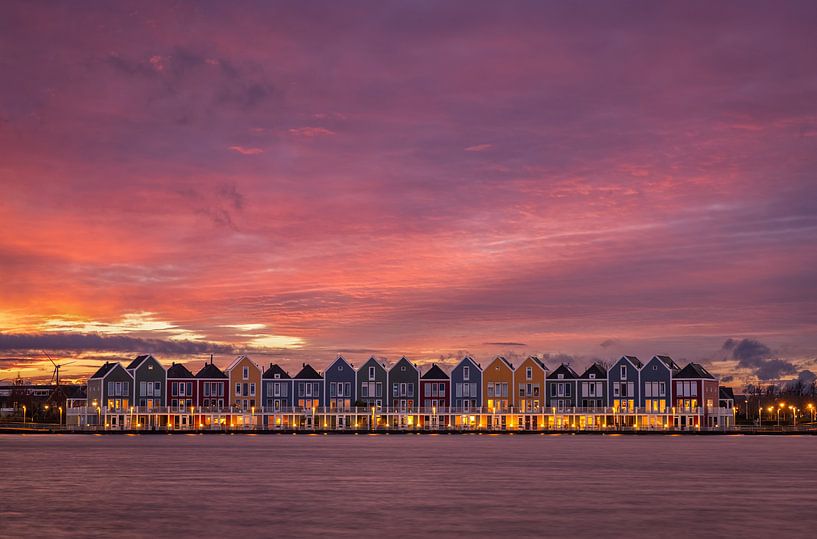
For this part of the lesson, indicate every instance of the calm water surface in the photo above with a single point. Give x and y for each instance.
(407, 486)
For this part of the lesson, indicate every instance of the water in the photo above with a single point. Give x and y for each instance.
(406, 486)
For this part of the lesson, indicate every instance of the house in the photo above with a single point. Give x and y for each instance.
(213, 390)
(404, 380)
(308, 385)
(727, 398)
(656, 386)
(435, 389)
(695, 396)
(149, 383)
(529, 384)
(562, 388)
(497, 385)
(466, 382)
(182, 388)
(340, 381)
(245, 384)
(110, 387)
(277, 389)
(623, 387)
(372, 381)
(592, 386)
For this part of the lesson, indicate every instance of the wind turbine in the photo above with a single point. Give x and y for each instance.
(56, 373)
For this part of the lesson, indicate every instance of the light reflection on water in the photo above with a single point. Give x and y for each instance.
(589, 486)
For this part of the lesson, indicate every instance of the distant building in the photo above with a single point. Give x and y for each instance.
(339, 379)
(497, 385)
(245, 383)
(404, 379)
(466, 386)
(277, 389)
(435, 388)
(372, 383)
(592, 388)
(529, 384)
(562, 385)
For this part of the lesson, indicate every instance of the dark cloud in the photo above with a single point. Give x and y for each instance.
(113, 343)
(557, 359)
(608, 343)
(759, 358)
(506, 343)
(727, 378)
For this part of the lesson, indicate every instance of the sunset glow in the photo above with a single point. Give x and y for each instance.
(399, 180)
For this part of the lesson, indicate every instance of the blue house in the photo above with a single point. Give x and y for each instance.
(404, 382)
(372, 384)
(623, 384)
(562, 388)
(339, 380)
(308, 385)
(656, 384)
(276, 389)
(466, 386)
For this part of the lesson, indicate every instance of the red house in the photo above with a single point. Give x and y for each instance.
(181, 388)
(212, 393)
(695, 396)
(435, 389)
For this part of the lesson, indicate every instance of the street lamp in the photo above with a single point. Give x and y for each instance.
(24, 415)
(811, 408)
(60, 409)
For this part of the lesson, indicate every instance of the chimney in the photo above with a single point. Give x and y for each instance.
(211, 359)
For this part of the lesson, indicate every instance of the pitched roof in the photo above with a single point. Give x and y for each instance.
(308, 373)
(104, 370)
(596, 369)
(340, 358)
(138, 361)
(634, 360)
(670, 364)
(177, 370)
(726, 392)
(276, 369)
(404, 358)
(539, 362)
(210, 371)
(373, 360)
(435, 373)
(470, 359)
(694, 370)
(565, 371)
(503, 360)
(238, 360)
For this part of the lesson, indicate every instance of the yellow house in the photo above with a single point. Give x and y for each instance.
(529, 385)
(245, 383)
(497, 385)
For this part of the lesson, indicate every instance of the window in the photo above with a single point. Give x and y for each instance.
(364, 390)
(655, 367)
(245, 372)
(206, 390)
(466, 372)
(371, 373)
(157, 389)
(395, 390)
(348, 389)
(623, 369)
(490, 389)
(662, 389)
(410, 390)
(252, 390)
(332, 389)
(442, 390)
(592, 376)
(528, 373)
(238, 388)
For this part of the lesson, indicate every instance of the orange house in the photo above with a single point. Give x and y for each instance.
(497, 385)
(529, 385)
(245, 384)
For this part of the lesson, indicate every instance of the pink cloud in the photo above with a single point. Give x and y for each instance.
(246, 150)
(311, 132)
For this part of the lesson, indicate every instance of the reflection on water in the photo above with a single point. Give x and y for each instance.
(448, 485)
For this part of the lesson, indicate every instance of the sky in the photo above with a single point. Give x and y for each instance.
(299, 180)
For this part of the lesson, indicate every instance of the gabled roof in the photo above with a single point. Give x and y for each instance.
(539, 362)
(564, 370)
(276, 369)
(726, 393)
(340, 358)
(668, 362)
(632, 359)
(104, 370)
(471, 360)
(177, 370)
(404, 359)
(435, 373)
(210, 371)
(694, 370)
(238, 360)
(308, 373)
(503, 360)
(138, 361)
(373, 360)
(596, 369)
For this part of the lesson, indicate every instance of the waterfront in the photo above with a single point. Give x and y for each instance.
(494, 485)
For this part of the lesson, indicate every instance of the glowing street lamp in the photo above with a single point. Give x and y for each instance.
(24, 415)
(60, 409)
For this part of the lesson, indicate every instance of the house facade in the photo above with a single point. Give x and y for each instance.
(276, 389)
(340, 383)
(695, 396)
(592, 386)
(435, 389)
(109, 388)
(149, 383)
(182, 388)
(529, 385)
(497, 385)
(213, 389)
(624, 384)
(656, 384)
(372, 384)
(309, 388)
(466, 386)
(562, 388)
(404, 384)
(245, 384)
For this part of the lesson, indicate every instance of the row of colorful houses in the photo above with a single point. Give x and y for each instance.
(656, 390)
